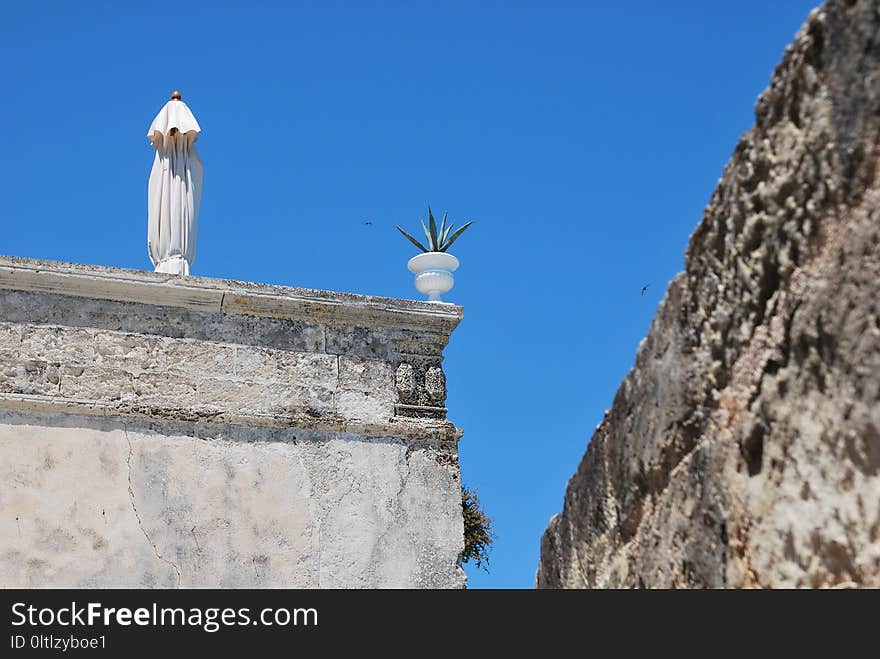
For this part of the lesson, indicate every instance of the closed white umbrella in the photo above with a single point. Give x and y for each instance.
(175, 189)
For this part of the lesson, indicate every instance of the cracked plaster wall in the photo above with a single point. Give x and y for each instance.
(146, 445)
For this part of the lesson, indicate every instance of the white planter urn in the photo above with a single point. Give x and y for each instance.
(433, 271)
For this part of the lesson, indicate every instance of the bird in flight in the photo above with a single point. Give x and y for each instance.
(645, 288)
(368, 223)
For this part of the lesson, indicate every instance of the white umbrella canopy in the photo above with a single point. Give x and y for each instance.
(175, 189)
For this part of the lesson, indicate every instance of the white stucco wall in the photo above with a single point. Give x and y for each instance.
(147, 443)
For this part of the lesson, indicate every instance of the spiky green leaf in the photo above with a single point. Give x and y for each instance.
(428, 236)
(413, 240)
(454, 237)
(445, 234)
(435, 244)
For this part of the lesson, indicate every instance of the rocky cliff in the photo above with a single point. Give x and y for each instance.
(743, 449)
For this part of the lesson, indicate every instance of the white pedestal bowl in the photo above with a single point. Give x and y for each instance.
(433, 273)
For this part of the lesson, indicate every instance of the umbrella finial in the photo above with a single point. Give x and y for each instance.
(175, 96)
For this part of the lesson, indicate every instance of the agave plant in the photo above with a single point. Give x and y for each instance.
(439, 239)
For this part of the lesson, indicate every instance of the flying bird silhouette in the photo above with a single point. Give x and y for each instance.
(368, 223)
(645, 288)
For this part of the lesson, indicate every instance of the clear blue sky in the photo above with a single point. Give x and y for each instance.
(585, 138)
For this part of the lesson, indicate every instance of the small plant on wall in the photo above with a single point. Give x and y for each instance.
(478, 534)
(433, 268)
(438, 238)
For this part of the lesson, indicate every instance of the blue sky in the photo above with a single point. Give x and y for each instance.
(585, 139)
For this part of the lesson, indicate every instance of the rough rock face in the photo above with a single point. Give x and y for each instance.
(743, 449)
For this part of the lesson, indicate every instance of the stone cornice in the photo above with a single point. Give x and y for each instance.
(225, 296)
(402, 427)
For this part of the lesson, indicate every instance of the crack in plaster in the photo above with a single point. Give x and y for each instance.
(137, 514)
(313, 517)
(396, 507)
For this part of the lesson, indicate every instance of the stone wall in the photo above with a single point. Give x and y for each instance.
(743, 449)
(165, 431)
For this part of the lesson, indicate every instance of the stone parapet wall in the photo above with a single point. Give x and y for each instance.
(322, 415)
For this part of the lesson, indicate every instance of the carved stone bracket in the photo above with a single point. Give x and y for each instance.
(421, 388)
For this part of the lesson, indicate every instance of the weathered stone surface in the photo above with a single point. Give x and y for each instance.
(743, 449)
(159, 432)
(435, 385)
(405, 377)
(366, 389)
